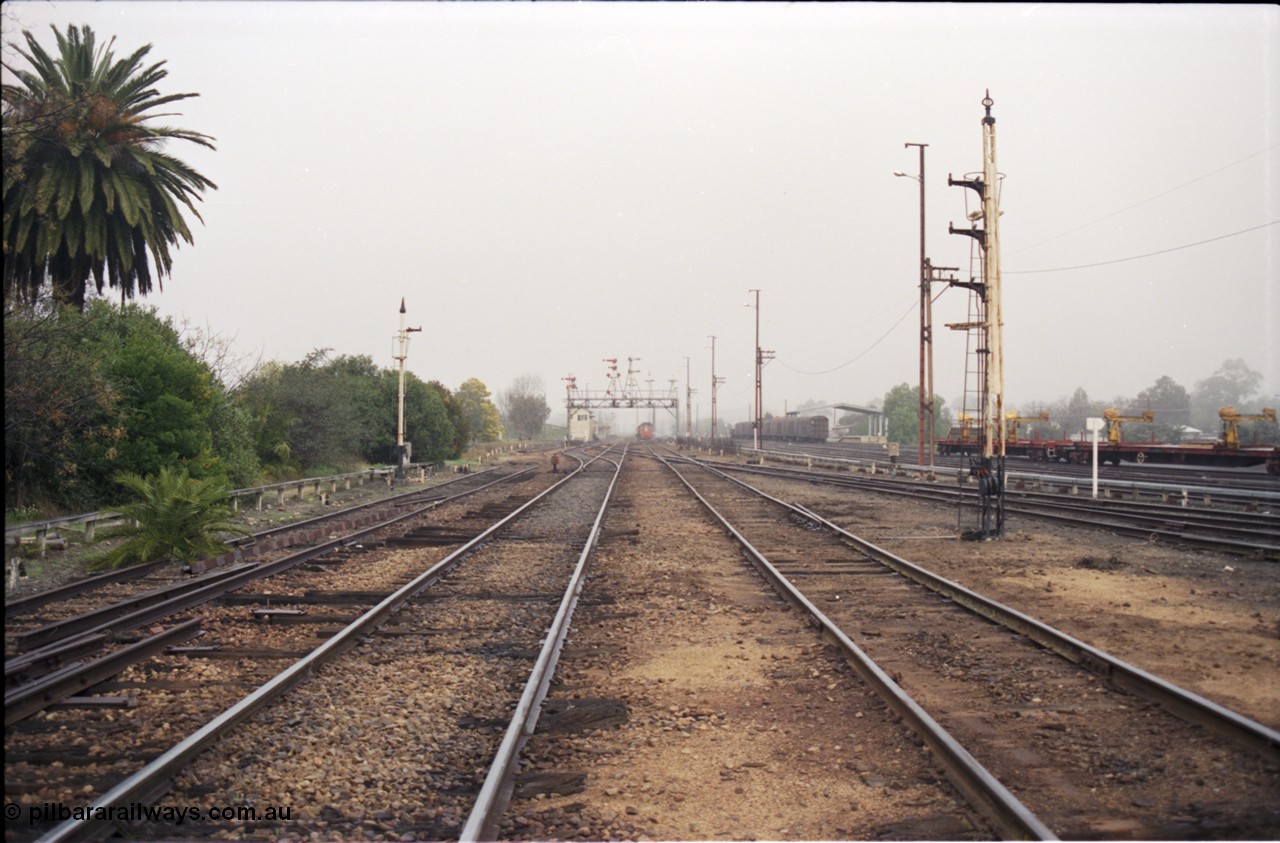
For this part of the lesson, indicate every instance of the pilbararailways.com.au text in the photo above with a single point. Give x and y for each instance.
(138, 812)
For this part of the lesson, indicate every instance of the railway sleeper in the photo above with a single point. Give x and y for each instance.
(294, 617)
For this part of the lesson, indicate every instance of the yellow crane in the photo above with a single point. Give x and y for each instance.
(961, 431)
(1012, 420)
(1113, 420)
(1231, 423)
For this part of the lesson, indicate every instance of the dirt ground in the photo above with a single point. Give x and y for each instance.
(1207, 621)
(741, 723)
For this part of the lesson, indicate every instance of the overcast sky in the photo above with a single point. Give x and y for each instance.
(551, 184)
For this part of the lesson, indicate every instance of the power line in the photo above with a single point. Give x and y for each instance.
(861, 354)
(1145, 201)
(1139, 257)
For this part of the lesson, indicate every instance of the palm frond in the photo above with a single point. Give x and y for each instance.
(88, 190)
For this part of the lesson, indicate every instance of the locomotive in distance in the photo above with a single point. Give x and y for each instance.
(789, 428)
(644, 432)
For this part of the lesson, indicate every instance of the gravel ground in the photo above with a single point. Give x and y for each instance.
(741, 723)
(1207, 621)
(720, 715)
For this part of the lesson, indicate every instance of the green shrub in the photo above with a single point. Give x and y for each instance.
(173, 516)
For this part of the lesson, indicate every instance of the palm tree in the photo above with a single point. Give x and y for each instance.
(87, 189)
(172, 516)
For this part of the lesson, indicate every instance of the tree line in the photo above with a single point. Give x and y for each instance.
(91, 394)
(1179, 414)
(94, 392)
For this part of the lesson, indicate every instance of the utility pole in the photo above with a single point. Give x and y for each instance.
(401, 356)
(757, 423)
(715, 381)
(926, 338)
(676, 396)
(653, 411)
(688, 402)
(570, 383)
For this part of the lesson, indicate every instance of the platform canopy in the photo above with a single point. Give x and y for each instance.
(876, 421)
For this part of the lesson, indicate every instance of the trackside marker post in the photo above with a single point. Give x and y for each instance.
(1093, 425)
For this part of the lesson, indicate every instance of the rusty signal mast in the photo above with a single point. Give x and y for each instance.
(989, 465)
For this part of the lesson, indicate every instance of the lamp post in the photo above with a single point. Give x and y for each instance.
(926, 328)
(401, 356)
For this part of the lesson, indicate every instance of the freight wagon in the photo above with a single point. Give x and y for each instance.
(786, 429)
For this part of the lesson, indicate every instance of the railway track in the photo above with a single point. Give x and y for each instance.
(1250, 533)
(1090, 745)
(1228, 479)
(82, 734)
(58, 648)
(429, 676)
(690, 701)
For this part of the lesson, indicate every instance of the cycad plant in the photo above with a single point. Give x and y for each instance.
(174, 516)
(88, 190)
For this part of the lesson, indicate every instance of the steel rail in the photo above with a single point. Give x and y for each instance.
(227, 580)
(52, 595)
(423, 495)
(1185, 704)
(495, 793)
(20, 605)
(151, 782)
(1157, 527)
(143, 608)
(37, 638)
(28, 699)
(980, 787)
(23, 668)
(1057, 475)
(111, 515)
(1135, 507)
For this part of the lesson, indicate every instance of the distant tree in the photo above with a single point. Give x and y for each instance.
(1170, 405)
(1234, 384)
(319, 424)
(87, 189)
(231, 367)
(524, 407)
(901, 407)
(321, 414)
(482, 416)
(427, 422)
(458, 420)
(372, 407)
(1070, 415)
(259, 397)
(166, 396)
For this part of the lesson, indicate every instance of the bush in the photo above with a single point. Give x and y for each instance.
(173, 516)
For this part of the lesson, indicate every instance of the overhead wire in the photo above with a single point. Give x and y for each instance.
(1145, 201)
(1139, 257)
(915, 303)
(861, 354)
